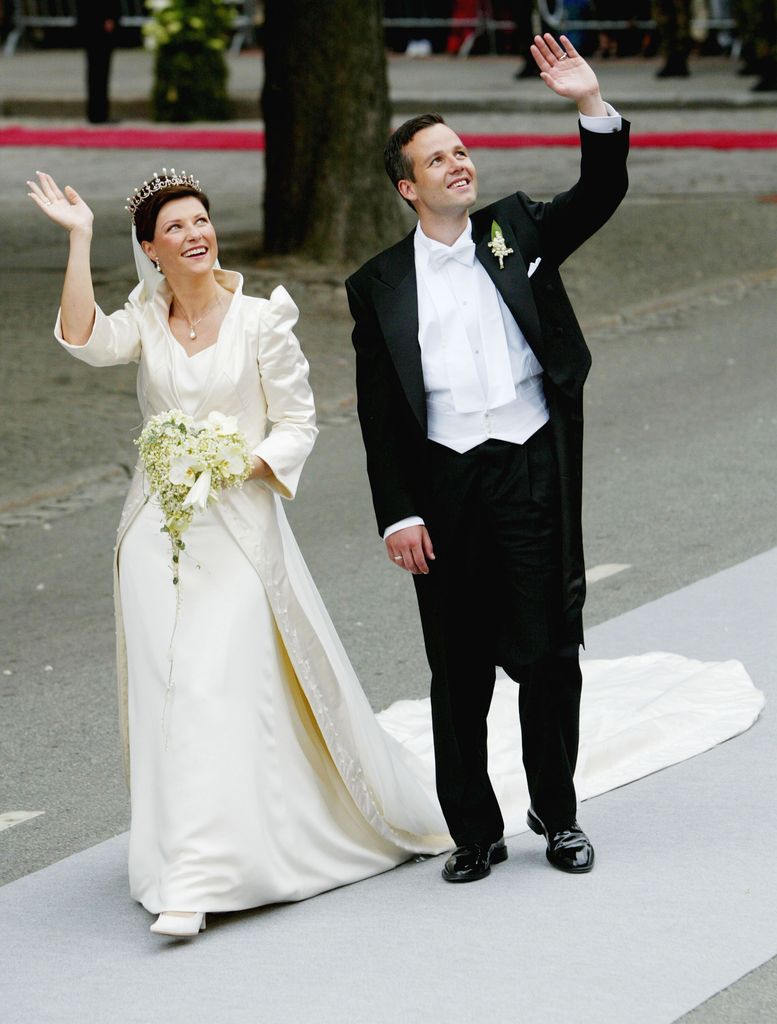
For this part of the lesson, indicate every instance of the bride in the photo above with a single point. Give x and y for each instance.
(258, 772)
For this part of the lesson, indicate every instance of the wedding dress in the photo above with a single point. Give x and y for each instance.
(258, 771)
(235, 800)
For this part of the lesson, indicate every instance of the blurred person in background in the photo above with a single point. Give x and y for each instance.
(98, 25)
(622, 42)
(522, 13)
(673, 18)
(419, 40)
(719, 40)
(757, 21)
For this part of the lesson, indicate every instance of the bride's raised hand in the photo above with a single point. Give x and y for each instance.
(65, 208)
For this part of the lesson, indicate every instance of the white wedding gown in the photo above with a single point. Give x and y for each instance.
(236, 800)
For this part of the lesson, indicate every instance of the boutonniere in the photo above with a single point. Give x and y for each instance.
(498, 246)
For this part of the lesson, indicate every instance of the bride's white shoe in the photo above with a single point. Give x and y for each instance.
(179, 924)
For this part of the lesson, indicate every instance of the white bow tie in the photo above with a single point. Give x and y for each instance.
(462, 250)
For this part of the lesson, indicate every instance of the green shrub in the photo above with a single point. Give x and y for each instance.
(189, 38)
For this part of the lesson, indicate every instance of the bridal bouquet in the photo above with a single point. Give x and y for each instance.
(187, 463)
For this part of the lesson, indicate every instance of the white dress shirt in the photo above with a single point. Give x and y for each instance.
(481, 378)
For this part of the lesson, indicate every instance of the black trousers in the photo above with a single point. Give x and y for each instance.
(493, 597)
(99, 50)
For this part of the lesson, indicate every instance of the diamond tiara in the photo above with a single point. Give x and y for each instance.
(149, 188)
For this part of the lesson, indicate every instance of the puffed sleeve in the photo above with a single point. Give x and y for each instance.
(114, 339)
(283, 370)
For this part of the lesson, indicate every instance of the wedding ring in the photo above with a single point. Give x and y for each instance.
(47, 202)
(564, 56)
(397, 558)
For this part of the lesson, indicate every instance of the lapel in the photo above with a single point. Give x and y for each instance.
(395, 294)
(512, 283)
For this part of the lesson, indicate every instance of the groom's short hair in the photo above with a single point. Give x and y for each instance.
(398, 164)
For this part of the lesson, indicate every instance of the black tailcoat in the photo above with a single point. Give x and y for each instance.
(384, 303)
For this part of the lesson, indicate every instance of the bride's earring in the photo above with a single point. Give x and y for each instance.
(159, 269)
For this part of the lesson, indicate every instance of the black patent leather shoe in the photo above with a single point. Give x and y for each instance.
(469, 863)
(569, 849)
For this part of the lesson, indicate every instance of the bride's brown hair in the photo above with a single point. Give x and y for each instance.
(148, 211)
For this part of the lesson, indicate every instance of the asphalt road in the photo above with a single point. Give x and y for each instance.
(679, 295)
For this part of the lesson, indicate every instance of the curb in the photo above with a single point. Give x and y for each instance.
(247, 108)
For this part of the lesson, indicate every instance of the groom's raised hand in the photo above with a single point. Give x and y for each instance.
(564, 71)
(411, 549)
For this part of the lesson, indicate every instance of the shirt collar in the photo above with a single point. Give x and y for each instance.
(425, 246)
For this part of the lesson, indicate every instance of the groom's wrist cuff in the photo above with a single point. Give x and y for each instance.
(402, 524)
(612, 123)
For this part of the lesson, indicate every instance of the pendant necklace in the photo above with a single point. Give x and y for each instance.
(193, 323)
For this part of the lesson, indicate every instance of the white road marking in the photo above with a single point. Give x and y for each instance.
(11, 818)
(601, 572)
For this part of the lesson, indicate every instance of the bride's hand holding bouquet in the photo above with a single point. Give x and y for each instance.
(188, 462)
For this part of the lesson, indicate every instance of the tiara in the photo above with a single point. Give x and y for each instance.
(148, 188)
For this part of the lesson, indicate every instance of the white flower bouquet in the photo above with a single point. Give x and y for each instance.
(187, 463)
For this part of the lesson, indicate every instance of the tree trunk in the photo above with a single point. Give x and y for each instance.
(327, 118)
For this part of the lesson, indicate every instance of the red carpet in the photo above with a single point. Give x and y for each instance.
(645, 140)
(171, 138)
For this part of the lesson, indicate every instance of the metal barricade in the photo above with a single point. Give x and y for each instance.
(38, 14)
(554, 14)
(483, 23)
(133, 13)
(31, 14)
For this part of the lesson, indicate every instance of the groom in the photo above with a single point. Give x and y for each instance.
(470, 367)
